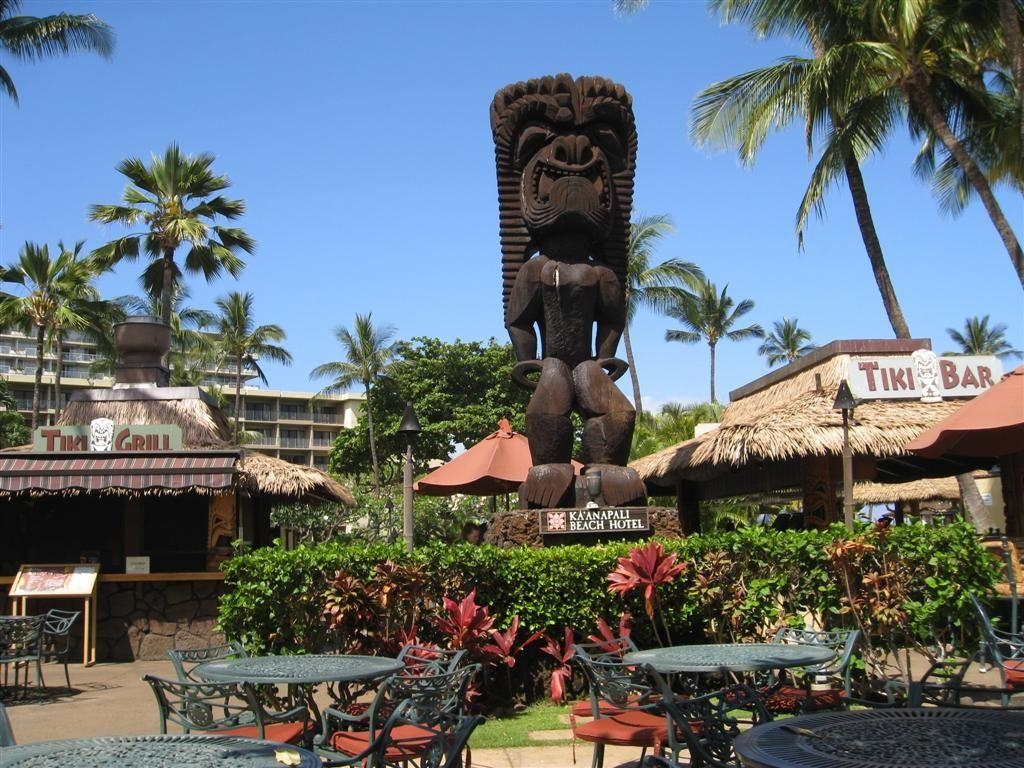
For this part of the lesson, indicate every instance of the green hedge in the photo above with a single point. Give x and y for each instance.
(737, 585)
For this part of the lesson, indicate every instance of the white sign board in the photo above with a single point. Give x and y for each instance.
(923, 376)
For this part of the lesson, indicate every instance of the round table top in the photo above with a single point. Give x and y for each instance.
(888, 738)
(299, 670)
(731, 657)
(164, 751)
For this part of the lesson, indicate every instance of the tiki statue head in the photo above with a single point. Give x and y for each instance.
(566, 152)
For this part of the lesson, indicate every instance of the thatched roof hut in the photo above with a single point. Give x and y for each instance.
(782, 433)
(928, 489)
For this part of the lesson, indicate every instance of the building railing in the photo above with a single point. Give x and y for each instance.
(294, 442)
(294, 416)
(259, 415)
(327, 417)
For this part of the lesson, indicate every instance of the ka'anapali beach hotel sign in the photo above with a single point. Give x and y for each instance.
(922, 376)
(105, 435)
(594, 520)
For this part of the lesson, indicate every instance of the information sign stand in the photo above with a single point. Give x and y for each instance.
(59, 581)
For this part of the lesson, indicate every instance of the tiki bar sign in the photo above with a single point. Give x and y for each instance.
(596, 520)
(922, 376)
(105, 435)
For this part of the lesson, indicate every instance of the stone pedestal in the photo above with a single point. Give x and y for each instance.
(522, 527)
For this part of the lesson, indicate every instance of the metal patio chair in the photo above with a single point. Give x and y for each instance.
(225, 709)
(21, 645)
(6, 731)
(817, 688)
(1005, 650)
(185, 660)
(57, 637)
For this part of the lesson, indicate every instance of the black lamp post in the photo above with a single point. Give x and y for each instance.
(410, 427)
(846, 402)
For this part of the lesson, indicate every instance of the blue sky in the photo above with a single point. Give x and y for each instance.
(358, 135)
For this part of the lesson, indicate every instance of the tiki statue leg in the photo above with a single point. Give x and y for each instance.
(550, 433)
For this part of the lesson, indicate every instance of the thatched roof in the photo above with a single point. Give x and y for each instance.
(788, 415)
(935, 489)
(203, 424)
(269, 476)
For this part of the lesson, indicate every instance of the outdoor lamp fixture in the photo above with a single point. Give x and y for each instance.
(846, 402)
(593, 478)
(410, 427)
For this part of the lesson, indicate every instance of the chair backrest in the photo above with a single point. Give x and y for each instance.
(445, 733)
(57, 629)
(841, 641)
(21, 638)
(445, 692)
(614, 648)
(205, 706)
(1000, 645)
(427, 660)
(185, 660)
(711, 722)
(623, 686)
(6, 731)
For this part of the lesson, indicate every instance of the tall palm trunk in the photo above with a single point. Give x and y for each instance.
(238, 396)
(59, 333)
(711, 346)
(634, 379)
(872, 245)
(977, 513)
(166, 299)
(916, 89)
(1010, 23)
(373, 439)
(38, 384)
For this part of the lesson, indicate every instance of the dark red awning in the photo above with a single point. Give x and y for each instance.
(98, 471)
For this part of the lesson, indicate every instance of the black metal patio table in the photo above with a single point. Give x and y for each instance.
(730, 657)
(888, 738)
(299, 670)
(162, 751)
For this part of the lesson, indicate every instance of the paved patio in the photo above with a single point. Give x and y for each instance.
(111, 699)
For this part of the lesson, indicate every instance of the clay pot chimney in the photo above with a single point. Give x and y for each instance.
(141, 342)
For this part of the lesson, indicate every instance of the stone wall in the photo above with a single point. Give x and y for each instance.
(143, 619)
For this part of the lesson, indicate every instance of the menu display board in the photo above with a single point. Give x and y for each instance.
(72, 580)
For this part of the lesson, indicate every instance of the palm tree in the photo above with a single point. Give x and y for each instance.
(175, 199)
(741, 110)
(369, 353)
(978, 339)
(710, 316)
(30, 38)
(655, 287)
(51, 288)
(786, 342)
(243, 342)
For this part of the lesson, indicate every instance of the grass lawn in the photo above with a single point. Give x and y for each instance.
(514, 731)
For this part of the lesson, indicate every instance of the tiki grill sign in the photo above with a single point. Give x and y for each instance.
(105, 435)
(922, 376)
(622, 520)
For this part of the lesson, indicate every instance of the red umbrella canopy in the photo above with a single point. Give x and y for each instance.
(497, 464)
(992, 424)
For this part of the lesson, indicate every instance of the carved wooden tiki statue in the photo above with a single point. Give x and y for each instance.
(566, 151)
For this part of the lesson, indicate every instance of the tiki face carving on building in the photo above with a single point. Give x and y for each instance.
(565, 151)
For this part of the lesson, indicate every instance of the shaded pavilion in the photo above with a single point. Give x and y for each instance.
(172, 490)
(781, 435)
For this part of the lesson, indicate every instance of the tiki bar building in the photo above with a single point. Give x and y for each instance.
(782, 436)
(145, 480)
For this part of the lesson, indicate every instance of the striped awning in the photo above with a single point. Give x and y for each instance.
(53, 473)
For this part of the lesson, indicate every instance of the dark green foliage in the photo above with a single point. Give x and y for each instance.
(459, 389)
(13, 429)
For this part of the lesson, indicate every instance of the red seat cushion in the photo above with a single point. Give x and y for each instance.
(627, 729)
(283, 732)
(789, 699)
(407, 741)
(1014, 672)
(583, 708)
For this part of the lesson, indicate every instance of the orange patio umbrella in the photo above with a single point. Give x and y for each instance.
(992, 424)
(497, 464)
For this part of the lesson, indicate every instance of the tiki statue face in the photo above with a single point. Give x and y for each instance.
(565, 151)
